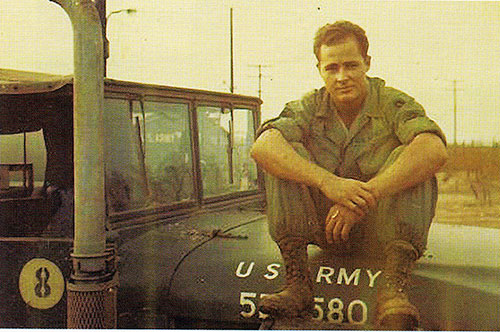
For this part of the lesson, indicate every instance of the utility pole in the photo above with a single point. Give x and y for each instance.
(101, 9)
(455, 112)
(455, 89)
(260, 81)
(231, 88)
(259, 66)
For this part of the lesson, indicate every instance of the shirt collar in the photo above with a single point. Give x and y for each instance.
(369, 107)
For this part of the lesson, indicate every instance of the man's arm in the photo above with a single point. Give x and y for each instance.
(277, 157)
(419, 161)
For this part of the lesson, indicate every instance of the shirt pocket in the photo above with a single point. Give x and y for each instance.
(325, 150)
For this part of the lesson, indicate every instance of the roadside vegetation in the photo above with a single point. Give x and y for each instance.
(469, 187)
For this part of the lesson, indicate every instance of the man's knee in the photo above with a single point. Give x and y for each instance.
(276, 184)
(408, 214)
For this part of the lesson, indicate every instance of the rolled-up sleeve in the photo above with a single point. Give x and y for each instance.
(291, 122)
(410, 120)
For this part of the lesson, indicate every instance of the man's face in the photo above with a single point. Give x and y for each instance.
(343, 69)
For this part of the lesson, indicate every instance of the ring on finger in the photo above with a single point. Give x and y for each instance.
(335, 214)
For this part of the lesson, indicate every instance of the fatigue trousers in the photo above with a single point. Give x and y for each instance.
(296, 210)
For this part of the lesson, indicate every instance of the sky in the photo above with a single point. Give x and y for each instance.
(419, 47)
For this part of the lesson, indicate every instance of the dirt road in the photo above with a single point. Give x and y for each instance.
(465, 209)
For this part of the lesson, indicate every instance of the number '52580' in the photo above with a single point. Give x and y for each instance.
(336, 312)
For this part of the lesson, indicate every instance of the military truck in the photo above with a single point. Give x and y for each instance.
(183, 241)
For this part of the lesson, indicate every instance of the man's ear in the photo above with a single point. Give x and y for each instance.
(368, 60)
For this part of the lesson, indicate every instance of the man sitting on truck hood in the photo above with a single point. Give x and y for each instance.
(350, 167)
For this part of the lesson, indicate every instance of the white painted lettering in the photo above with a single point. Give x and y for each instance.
(318, 308)
(372, 277)
(262, 315)
(364, 312)
(324, 272)
(335, 314)
(272, 268)
(245, 299)
(247, 273)
(343, 276)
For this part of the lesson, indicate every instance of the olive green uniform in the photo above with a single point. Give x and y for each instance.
(388, 121)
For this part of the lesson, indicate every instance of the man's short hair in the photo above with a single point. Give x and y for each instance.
(331, 34)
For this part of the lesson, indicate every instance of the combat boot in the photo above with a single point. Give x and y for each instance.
(296, 298)
(394, 310)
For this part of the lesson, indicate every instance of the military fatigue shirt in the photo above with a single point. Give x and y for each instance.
(388, 119)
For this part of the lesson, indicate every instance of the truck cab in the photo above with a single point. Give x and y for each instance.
(173, 157)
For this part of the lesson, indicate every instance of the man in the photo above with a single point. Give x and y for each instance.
(350, 167)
